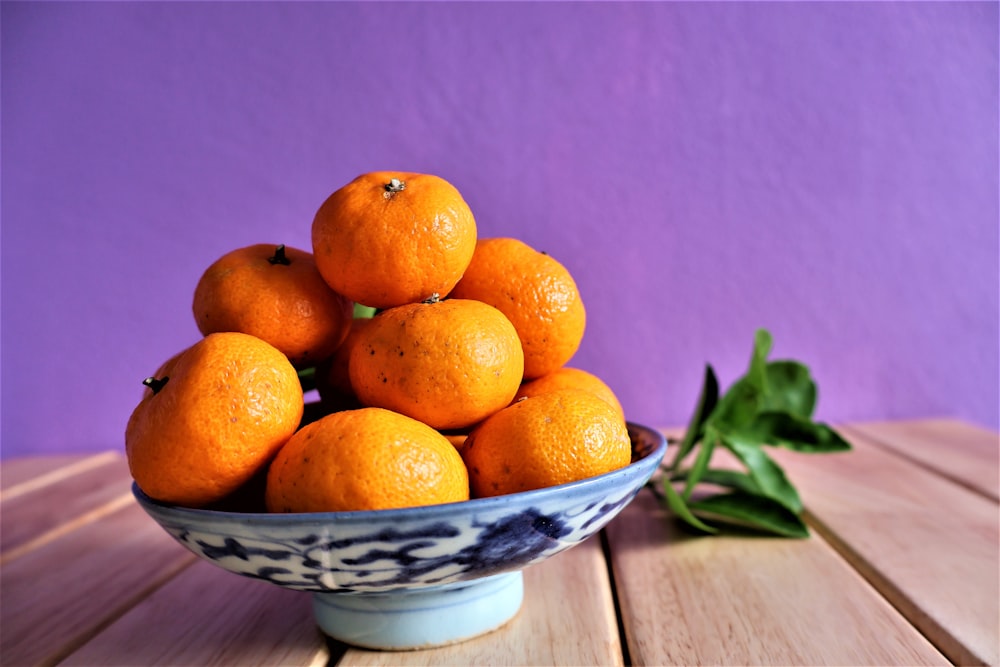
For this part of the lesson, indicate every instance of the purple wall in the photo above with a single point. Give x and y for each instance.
(825, 170)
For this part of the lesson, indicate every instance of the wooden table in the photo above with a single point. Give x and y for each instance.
(902, 568)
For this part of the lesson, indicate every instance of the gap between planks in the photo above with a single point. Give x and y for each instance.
(927, 544)
(567, 618)
(622, 637)
(208, 616)
(877, 435)
(922, 622)
(58, 474)
(691, 599)
(67, 527)
(166, 575)
(53, 605)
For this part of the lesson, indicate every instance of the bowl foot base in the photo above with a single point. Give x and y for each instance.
(420, 618)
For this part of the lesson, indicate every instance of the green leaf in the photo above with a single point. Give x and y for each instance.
(766, 474)
(757, 373)
(741, 402)
(790, 388)
(747, 509)
(680, 508)
(707, 400)
(771, 404)
(701, 462)
(363, 312)
(733, 479)
(799, 434)
(737, 407)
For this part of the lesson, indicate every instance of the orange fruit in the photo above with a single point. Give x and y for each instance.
(535, 292)
(447, 363)
(165, 369)
(456, 438)
(390, 238)
(228, 404)
(546, 440)
(333, 379)
(366, 459)
(276, 294)
(567, 377)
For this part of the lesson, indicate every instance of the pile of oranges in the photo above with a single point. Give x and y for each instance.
(458, 386)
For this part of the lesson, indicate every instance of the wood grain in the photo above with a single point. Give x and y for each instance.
(747, 600)
(45, 506)
(206, 615)
(903, 568)
(59, 595)
(929, 545)
(24, 474)
(967, 454)
(567, 618)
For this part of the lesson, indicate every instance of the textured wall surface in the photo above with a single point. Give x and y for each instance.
(825, 170)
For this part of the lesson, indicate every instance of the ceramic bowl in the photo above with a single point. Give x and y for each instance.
(415, 577)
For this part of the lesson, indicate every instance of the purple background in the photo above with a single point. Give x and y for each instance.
(825, 170)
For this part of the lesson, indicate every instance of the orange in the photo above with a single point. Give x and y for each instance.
(570, 378)
(166, 369)
(456, 438)
(535, 292)
(366, 459)
(389, 238)
(274, 293)
(447, 363)
(555, 438)
(333, 379)
(228, 404)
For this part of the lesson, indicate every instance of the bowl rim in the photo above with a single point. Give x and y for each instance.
(651, 459)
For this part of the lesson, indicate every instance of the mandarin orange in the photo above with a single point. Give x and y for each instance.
(333, 378)
(456, 438)
(391, 238)
(536, 293)
(447, 363)
(568, 377)
(166, 369)
(546, 440)
(366, 459)
(229, 403)
(276, 294)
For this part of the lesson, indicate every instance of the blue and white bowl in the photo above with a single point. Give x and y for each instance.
(415, 577)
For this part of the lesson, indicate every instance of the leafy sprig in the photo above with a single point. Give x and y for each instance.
(771, 405)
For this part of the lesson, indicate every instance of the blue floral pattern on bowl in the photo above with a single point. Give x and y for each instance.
(390, 550)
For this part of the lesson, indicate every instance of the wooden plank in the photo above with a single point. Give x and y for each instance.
(24, 474)
(65, 591)
(48, 505)
(747, 600)
(567, 618)
(967, 454)
(206, 615)
(929, 545)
